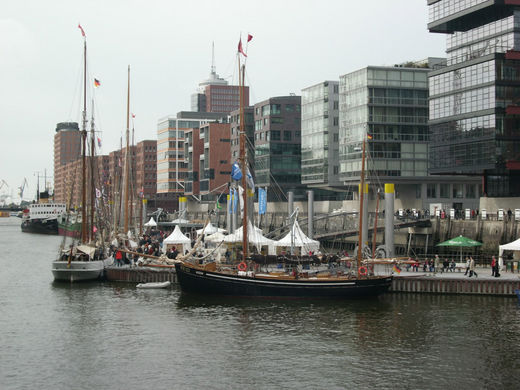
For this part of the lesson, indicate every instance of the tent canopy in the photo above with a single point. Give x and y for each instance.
(297, 238)
(254, 236)
(512, 246)
(460, 241)
(177, 238)
(210, 229)
(151, 222)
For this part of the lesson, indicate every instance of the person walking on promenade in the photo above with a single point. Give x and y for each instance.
(472, 268)
(436, 264)
(467, 266)
(496, 268)
(493, 265)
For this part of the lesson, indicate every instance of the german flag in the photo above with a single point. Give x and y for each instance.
(97, 83)
(369, 136)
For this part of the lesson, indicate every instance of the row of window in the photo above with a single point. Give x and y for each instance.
(446, 8)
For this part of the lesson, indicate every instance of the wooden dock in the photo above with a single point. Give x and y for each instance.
(503, 286)
(140, 274)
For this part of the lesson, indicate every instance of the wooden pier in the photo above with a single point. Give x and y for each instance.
(140, 274)
(459, 285)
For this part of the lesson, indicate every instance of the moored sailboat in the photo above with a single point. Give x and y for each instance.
(246, 279)
(85, 260)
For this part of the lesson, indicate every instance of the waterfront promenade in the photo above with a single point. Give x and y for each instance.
(457, 283)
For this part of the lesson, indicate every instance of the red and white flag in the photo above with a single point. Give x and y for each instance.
(240, 49)
(249, 37)
(82, 31)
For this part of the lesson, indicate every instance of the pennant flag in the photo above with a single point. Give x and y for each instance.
(369, 136)
(249, 37)
(99, 141)
(133, 115)
(262, 201)
(82, 31)
(240, 49)
(236, 173)
(249, 180)
(396, 269)
(94, 229)
(97, 83)
(218, 203)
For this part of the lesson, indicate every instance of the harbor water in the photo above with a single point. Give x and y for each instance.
(104, 335)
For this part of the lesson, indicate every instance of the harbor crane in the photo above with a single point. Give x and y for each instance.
(22, 188)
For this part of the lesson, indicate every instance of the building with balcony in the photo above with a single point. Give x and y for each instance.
(172, 162)
(208, 156)
(474, 99)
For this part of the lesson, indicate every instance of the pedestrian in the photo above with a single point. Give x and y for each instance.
(436, 264)
(472, 268)
(493, 264)
(497, 273)
(119, 258)
(445, 265)
(467, 266)
(452, 265)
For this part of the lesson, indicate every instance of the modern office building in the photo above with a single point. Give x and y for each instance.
(320, 135)
(388, 108)
(278, 145)
(475, 98)
(146, 169)
(67, 148)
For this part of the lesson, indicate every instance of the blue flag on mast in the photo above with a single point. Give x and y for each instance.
(236, 173)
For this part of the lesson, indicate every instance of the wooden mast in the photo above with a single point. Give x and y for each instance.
(84, 231)
(92, 170)
(361, 200)
(243, 160)
(126, 154)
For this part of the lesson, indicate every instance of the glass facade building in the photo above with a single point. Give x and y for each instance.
(475, 99)
(277, 139)
(320, 135)
(390, 104)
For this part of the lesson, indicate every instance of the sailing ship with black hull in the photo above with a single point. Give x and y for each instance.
(86, 259)
(245, 280)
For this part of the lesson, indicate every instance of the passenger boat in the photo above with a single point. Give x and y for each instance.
(245, 280)
(42, 217)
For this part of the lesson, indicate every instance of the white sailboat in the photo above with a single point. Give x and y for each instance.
(86, 260)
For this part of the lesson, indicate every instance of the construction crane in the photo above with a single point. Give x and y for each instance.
(3, 183)
(22, 188)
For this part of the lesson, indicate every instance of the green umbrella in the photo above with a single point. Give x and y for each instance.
(461, 242)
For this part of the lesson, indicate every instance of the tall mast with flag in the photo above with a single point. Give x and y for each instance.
(84, 231)
(243, 154)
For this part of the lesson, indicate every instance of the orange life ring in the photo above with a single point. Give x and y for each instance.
(242, 266)
(363, 270)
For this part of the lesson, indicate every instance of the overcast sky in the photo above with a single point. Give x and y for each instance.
(297, 43)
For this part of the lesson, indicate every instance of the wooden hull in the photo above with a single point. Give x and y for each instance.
(195, 280)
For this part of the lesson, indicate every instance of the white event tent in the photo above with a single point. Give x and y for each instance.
(177, 238)
(150, 223)
(512, 246)
(254, 236)
(210, 229)
(297, 238)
